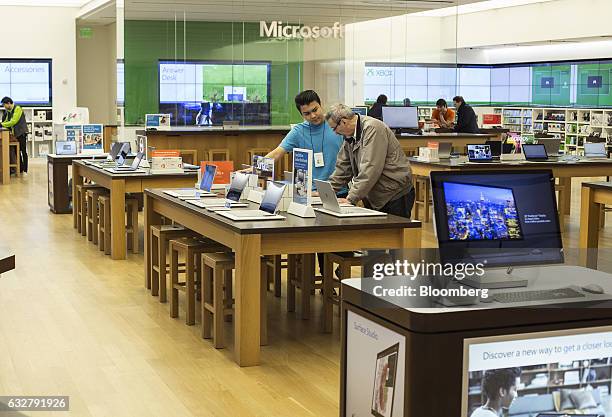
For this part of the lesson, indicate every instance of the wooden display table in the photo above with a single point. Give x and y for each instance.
(119, 185)
(294, 235)
(593, 196)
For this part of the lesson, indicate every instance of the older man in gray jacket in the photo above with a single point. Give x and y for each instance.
(372, 161)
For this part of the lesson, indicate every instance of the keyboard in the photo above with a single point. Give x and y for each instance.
(351, 210)
(251, 213)
(538, 295)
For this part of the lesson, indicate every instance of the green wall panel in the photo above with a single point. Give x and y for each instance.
(148, 42)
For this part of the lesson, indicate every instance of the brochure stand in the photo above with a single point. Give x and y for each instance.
(302, 184)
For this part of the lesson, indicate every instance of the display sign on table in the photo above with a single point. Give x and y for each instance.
(302, 183)
(166, 162)
(93, 139)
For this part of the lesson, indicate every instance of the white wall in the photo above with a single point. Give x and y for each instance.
(44, 32)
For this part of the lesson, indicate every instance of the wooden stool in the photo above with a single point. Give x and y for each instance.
(93, 218)
(274, 265)
(423, 195)
(222, 154)
(192, 156)
(192, 248)
(80, 205)
(131, 224)
(160, 235)
(255, 151)
(300, 274)
(104, 228)
(217, 298)
(345, 260)
(17, 164)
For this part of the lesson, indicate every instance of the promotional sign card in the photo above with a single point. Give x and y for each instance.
(264, 167)
(224, 169)
(74, 133)
(141, 144)
(93, 139)
(166, 162)
(157, 121)
(302, 184)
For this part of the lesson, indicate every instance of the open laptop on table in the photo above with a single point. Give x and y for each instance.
(117, 149)
(496, 148)
(444, 150)
(267, 209)
(333, 207)
(65, 147)
(232, 199)
(120, 168)
(535, 152)
(551, 144)
(205, 186)
(479, 153)
(595, 150)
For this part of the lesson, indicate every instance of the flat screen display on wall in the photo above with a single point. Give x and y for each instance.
(26, 81)
(558, 84)
(205, 93)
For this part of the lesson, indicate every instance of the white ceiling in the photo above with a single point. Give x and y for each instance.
(295, 11)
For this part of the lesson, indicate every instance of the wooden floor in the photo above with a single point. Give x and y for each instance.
(74, 322)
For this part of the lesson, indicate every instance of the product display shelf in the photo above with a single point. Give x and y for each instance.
(40, 127)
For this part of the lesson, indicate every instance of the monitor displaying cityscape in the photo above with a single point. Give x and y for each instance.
(563, 84)
(476, 212)
(26, 81)
(207, 93)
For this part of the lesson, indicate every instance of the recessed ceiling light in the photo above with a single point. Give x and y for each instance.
(477, 7)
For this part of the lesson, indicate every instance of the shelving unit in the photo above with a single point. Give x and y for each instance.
(40, 128)
(569, 124)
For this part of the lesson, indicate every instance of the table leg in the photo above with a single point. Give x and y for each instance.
(6, 170)
(328, 287)
(117, 202)
(248, 299)
(589, 228)
(411, 238)
(76, 181)
(150, 218)
(566, 194)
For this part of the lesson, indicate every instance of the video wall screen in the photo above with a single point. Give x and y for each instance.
(203, 93)
(27, 82)
(562, 84)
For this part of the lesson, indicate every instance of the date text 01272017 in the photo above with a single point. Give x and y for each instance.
(34, 403)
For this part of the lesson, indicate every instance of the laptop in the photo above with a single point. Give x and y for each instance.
(333, 207)
(551, 144)
(231, 199)
(444, 150)
(127, 168)
(496, 148)
(205, 186)
(267, 209)
(479, 153)
(535, 152)
(595, 150)
(65, 147)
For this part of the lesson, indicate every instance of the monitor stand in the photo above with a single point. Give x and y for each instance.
(494, 279)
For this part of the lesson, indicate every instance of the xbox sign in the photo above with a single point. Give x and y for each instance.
(277, 29)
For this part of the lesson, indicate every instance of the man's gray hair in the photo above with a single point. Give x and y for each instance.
(338, 112)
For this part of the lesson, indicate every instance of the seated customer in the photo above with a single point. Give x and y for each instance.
(499, 388)
(442, 115)
(467, 121)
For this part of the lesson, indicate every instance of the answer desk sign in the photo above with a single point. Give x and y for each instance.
(282, 30)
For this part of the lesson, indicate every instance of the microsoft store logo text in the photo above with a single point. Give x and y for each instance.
(277, 29)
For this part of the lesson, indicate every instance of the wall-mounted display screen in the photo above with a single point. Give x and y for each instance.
(120, 82)
(562, 84)
(209, 93)
(27, 82)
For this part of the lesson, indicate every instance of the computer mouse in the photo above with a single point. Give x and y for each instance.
(593, 289)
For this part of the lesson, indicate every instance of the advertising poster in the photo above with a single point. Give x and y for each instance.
(375, 368)
(224, 169)
(556, 373)
(93, 139)
(157, 121)
(302, 176)
(74, 133)
(264, 167)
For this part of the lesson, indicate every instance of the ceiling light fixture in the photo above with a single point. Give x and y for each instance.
(477, 7)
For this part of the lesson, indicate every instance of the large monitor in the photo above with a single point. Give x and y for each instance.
(401, 117)
(502, 218)
(26, 81)
(206, 93)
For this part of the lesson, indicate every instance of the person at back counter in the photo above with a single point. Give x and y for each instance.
(376, 109)
(467, 121)
(442, 115)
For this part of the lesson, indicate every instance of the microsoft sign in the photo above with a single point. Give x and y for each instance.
(277, 29)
